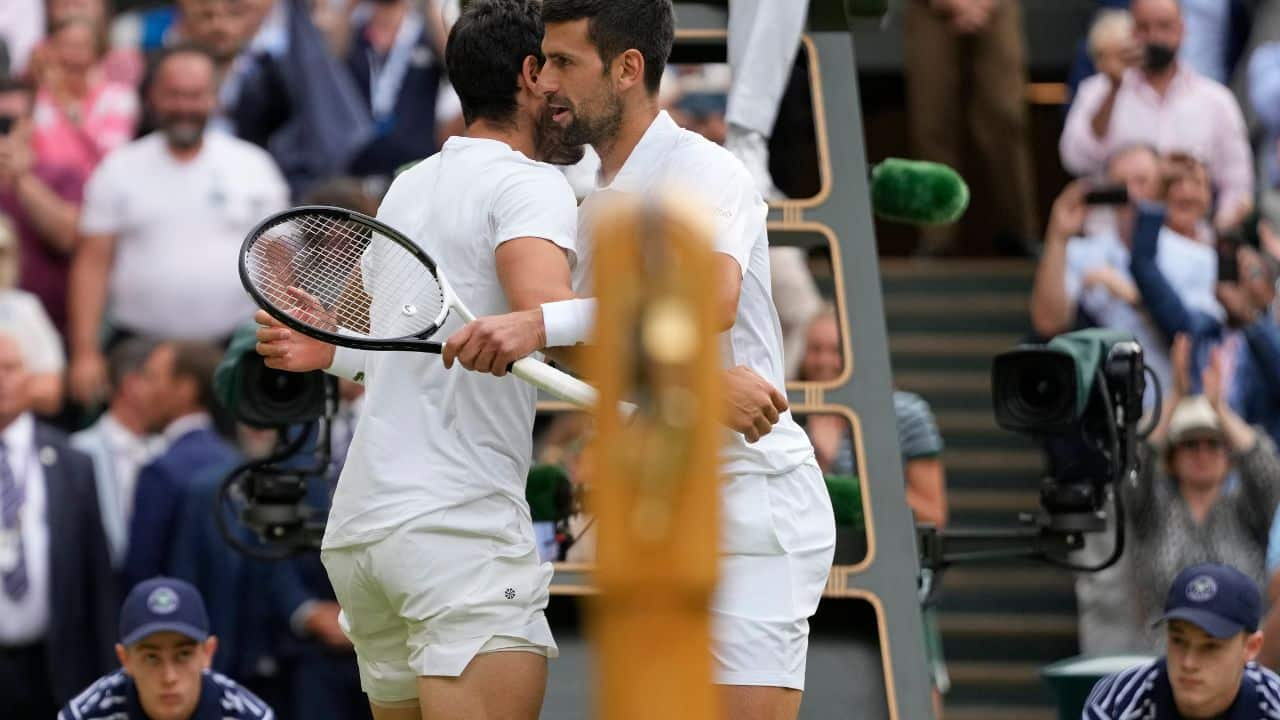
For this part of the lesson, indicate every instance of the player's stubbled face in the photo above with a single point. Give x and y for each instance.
(578, 86)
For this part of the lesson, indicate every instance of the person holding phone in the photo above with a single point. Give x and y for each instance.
(42, 199)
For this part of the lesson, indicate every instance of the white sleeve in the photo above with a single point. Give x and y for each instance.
(538, 204)
(102, 212)
(739, 214)
(349, 364)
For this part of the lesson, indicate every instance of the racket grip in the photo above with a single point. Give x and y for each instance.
(558, 383)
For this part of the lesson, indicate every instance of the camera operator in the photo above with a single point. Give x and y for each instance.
(1182, 509)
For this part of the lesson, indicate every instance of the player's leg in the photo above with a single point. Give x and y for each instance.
(504, 685)
(377, 632)
(470, 591)
(779, 536)
(753, 702)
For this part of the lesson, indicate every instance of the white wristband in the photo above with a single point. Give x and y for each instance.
(348, 364)
(568, 322)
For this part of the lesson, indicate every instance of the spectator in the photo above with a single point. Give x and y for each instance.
(396, 65)
(57, 592)
(121, 60)
(966, 71)
(165, 653)
(1210, 619)
(163, 220)
(1111, 44)
(21, 315)
(183, 403)
(918, 435)
(1166, 103)
(1183, 511)
(41, 199)
(80, 116)
(121, 442)
(1264, 96)
(1083, 281)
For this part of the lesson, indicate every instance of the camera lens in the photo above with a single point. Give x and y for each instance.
(1039, 392)
(1034, 391)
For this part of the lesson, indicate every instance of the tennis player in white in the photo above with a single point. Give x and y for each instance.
(429, 543)
(604, 60)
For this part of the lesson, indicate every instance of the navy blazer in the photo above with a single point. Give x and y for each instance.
(159, 498)
(83, 597)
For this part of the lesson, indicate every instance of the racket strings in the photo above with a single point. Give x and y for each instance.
(340, 276)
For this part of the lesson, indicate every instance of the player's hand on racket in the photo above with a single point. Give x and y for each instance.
(285, 349)
(753, 406)
(491, 344)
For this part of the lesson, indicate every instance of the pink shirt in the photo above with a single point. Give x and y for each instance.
(109, 116)
(1196, 115)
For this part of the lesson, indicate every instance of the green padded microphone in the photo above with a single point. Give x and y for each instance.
(917, 192)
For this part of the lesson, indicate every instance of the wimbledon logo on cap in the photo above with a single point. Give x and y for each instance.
(162, 601)
(1202, 589)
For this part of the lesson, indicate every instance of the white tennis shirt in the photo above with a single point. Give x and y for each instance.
(430, 438)
(670, 159)
(178, 227)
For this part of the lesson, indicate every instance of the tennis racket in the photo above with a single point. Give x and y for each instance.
(350, 280)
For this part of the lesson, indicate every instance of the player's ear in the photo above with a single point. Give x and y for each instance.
(529, 72)
(628, 69)
(123, 656)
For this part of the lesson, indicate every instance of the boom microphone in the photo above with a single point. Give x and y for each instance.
(917, 192)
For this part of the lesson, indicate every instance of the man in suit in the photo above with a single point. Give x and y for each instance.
(183, 401)
(123, 440)
(57, 592)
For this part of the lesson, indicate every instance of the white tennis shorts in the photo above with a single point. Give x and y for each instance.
(777, 543)
(439, 590)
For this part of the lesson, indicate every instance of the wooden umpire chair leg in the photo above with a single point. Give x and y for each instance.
(656, 486)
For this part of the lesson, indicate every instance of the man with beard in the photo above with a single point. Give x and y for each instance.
(162, 223)
(605, 59)
(1161, 101)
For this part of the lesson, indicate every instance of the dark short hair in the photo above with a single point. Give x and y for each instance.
(486, 53)
(128, 357)
(615, 26)
(198, 361)
(161, 56)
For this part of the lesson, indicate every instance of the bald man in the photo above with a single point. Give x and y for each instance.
(1162, 102)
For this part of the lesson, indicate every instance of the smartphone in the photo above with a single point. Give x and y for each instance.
(1107, 195)
(6, 124)
(1228, 261)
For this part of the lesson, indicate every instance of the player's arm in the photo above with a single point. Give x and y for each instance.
(532, 272)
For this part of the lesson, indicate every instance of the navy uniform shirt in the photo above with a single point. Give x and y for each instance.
(115, 697)
(1144, 693)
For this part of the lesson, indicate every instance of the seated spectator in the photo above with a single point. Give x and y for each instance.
(183, 402)
(43, 202)
(80, 116)
(1210, 623)
(21, 315)
(1085, 281)
(121, 60)
(1165, 103)
(918, 435)
(1183, 510)
(57, 591)
(165, 653)
(122, 441)
(163, 221)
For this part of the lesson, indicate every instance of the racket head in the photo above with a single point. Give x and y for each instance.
(345, 278)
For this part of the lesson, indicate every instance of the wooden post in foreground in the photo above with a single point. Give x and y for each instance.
(656, 485)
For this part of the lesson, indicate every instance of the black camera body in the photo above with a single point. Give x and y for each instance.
(1086, 387)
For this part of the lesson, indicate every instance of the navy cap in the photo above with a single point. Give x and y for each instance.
(163, 604)
(1216, 598)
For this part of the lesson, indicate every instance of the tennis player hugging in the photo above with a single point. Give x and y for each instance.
(434, 564)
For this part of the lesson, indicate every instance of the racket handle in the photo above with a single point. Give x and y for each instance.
(558, 383)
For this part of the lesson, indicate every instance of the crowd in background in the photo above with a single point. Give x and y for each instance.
(139, 146)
